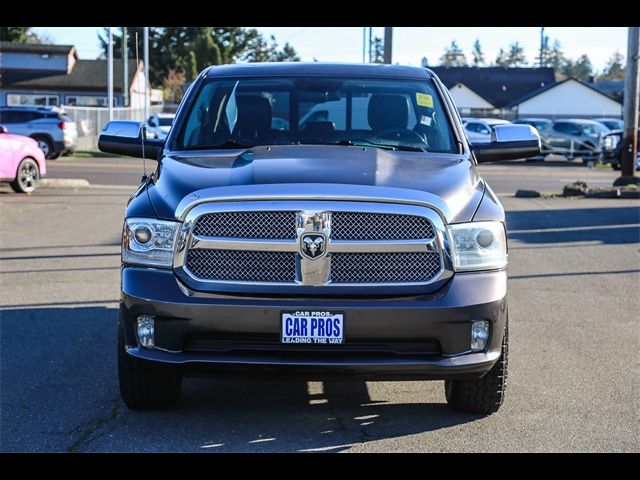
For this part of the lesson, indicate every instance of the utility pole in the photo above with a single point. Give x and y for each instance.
(631, 86)
(364, 44)
(146, 73)
(541, 45)
(388, 41)
(110, 75)
(125, 66)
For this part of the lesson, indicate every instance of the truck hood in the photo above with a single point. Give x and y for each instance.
(447, 182)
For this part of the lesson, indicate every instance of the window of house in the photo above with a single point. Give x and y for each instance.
(18, 99)
(86, 101)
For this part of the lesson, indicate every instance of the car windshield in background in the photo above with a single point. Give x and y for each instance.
(165, 122)
(245, 112)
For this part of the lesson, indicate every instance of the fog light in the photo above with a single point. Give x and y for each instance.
(479, 335)
(145, 331)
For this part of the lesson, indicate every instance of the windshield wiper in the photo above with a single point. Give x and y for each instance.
(229, 144)
(361, 142)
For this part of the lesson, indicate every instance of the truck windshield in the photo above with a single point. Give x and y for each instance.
(244, 112)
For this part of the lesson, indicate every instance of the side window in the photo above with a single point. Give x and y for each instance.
(16, 117)
(560, 127)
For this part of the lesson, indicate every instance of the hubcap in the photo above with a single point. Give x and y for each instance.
(28, 176)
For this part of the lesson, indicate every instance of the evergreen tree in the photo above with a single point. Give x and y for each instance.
(614, 70)
(478, 54)
(378, 50)
(453, 56)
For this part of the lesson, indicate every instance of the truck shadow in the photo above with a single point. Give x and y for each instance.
(59, 370)
(616, 225)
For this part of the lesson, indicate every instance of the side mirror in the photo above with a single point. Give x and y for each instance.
(508, 142)
(3, 129)
(126, 137)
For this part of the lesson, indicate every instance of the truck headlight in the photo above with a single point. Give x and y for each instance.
(146, 241)
(478, 246)
(610, 142)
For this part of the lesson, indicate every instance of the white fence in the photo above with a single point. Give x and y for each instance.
(90, 121)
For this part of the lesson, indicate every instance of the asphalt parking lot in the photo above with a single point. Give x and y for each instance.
(574, 377)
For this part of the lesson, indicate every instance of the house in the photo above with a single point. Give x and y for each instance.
(612, 88)
(32, 74)
(489, 91)
(568, 98)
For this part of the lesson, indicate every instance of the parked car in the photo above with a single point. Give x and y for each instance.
(159, 124)
(22, 162)
(54, 131)
(479, 129)
(611, 123)
(538, 123)
(375, 250)
(612, 149)
(574, 138)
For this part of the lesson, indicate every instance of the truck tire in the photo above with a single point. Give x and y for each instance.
(483, 395)
(143, 387)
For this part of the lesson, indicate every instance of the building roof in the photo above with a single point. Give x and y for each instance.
(497, 85)
(612, 88)
(37, 48)
(537, 92)
(318, 68)
(86, 75)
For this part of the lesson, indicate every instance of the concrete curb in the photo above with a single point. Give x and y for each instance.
(64, 183)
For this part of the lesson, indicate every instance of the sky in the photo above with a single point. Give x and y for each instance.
(410, 44)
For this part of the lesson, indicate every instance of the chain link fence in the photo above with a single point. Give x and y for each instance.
(90, 121)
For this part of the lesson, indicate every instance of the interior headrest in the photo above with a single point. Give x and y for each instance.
(388, 112)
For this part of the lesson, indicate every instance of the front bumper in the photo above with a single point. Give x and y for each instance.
(374, 328)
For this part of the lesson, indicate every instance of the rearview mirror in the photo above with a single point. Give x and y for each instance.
(508, 142)
(125, 137)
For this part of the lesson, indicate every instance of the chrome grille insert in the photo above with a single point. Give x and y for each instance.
(273, 225)
(379, 226)
(256, 246)
(242, 265)
(384, 267)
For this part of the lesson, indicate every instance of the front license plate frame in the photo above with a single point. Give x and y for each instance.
(310, 327)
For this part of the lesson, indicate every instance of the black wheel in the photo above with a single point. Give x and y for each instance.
(45, 145)
(616, 166)
(483, 395)
(143, 387)
(27, 176)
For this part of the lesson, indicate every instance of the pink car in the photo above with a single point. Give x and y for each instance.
(22, 163)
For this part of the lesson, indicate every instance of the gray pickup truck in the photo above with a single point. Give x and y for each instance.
(357, 242)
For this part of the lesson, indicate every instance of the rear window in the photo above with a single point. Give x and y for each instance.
(243, 112)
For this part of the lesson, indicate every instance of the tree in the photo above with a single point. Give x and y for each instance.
(453, 56)
(502, 58)
(21, 35)
(191, 49)
(516, 56)
(259, 50)
(614, 70)
(478, 54)
(552, 56)
(377, 50)
(513, 58)
(173, 86)
(581, 69)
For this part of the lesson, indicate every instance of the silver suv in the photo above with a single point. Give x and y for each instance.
(55, 133)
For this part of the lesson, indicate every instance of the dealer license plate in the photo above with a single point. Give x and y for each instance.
(311, 327)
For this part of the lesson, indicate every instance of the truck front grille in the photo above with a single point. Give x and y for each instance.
(274, 225)
(371, 245)
(242, 265)
(379, 226)
(385, 267)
